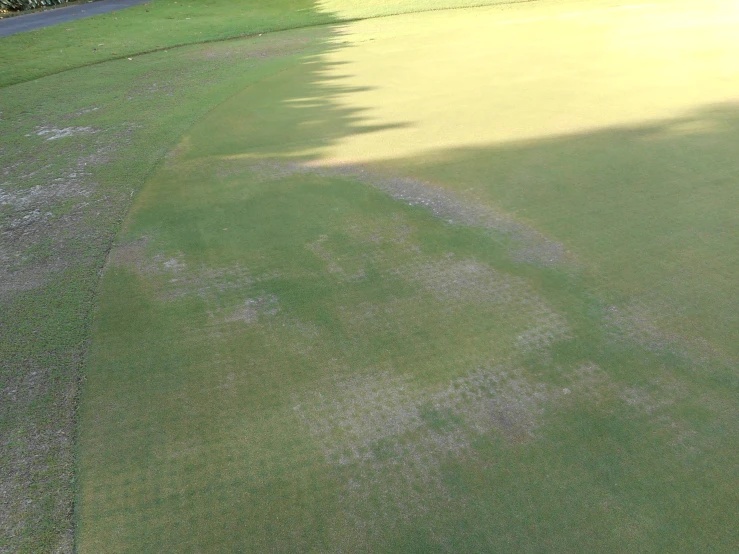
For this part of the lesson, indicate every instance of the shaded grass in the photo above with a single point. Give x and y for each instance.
(296, 359)
(214, 430)
(63, 202)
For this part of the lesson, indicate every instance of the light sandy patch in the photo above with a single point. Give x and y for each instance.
(397, 436)
(319, 250)
(527, 244)
(463, 281)
(459, 283)
(351, 417)
(253, 308)
(207, 282)
(647, 324)
(59, 188)
(175, 278)
(55, 133)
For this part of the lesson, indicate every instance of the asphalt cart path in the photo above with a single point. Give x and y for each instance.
(64, 14)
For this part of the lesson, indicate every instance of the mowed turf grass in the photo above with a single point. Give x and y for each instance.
(70, 169)
(451, 282)
(164, 24)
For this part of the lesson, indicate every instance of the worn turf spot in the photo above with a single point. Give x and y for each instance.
(527, 245)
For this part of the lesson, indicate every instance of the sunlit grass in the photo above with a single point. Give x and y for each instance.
(446, 80)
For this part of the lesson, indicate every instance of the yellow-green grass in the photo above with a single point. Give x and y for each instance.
(452, 282)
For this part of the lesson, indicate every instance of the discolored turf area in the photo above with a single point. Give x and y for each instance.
(452, 281)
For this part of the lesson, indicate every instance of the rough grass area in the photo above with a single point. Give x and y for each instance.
(163, 24)
(412, 295)
(69, 172)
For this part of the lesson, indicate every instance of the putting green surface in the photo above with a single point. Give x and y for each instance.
(452, 282)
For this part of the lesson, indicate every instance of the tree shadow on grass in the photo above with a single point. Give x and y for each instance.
(646, 213)
(649, 208)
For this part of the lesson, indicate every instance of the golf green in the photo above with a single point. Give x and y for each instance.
(455, 281)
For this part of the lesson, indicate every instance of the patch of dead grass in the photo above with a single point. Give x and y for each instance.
(527, 245)
(646, 324)
(55, 133)
(253, 308)
(396, 435)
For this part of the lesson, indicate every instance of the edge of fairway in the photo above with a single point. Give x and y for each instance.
(338, 21)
